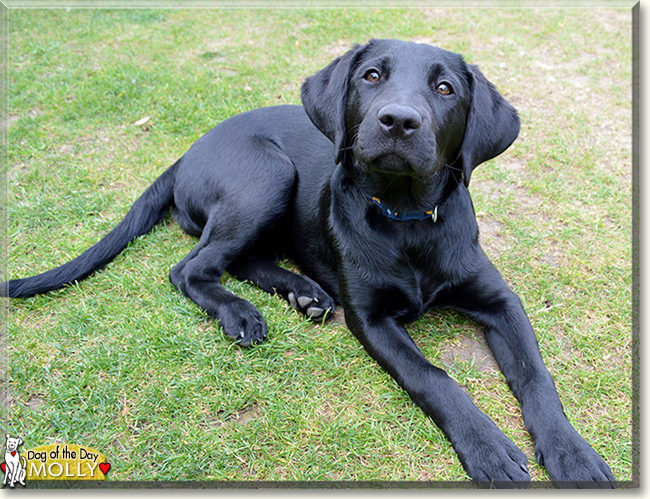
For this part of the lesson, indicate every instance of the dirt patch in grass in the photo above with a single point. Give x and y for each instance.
(36, 403)
(338, 317)
(471, 349)
(491, 236)
(240, 417)
(246, 415)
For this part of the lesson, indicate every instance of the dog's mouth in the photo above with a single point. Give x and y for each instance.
(392, 163)
(396, 164)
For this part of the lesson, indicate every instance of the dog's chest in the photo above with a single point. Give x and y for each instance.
(402, 282)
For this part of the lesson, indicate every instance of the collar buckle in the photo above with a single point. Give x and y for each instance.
(406, 216)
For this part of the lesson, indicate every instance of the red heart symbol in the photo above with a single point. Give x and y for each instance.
(13, 453)
(4, 467)
(104, 467)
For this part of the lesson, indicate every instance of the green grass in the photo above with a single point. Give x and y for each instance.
(121, 362)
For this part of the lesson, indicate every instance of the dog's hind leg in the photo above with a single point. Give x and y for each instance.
(197, 276)
(236, 220)
(302, 293)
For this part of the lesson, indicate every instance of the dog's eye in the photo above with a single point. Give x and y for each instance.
(373, 76)
(444, 88)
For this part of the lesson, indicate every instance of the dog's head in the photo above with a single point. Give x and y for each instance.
(409, 109)
(13, 443)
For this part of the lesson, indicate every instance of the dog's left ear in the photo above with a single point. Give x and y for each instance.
(492, 124)
(325, 94)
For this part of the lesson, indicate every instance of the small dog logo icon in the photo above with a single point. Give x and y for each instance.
(15, 471)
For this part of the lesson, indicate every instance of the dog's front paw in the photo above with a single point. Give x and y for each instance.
(311, 300)
(571, 462)
(490, 458)
(242, 322)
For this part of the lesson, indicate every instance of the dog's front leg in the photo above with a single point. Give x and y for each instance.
(11, 473)
(569, 459)
(487, 455)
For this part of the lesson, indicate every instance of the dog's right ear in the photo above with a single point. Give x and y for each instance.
(325, 94)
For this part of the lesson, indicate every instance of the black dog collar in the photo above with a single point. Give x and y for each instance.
(406, 216)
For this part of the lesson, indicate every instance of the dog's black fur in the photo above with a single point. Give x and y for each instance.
(401, 122)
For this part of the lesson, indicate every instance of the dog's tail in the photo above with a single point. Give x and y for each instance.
(148, 210)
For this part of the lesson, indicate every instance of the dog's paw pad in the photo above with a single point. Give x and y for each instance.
(314, 312)
(292, 300)
(305, 301)
(310, 306)
(301, 303)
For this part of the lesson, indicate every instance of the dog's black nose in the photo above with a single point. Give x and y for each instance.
(399, 121)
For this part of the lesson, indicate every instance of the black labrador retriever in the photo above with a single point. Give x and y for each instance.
(365, 188)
